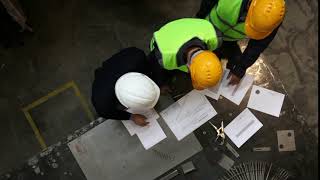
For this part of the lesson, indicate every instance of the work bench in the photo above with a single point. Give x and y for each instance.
(58, 163)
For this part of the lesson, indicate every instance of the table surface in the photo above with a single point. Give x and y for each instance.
(57, 162)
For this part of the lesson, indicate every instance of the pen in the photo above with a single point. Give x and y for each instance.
(236, 88)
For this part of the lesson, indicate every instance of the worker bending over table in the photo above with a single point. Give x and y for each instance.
(186, 45)
(123, 82)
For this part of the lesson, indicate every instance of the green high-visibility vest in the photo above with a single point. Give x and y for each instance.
(172, 36)
(224, 16)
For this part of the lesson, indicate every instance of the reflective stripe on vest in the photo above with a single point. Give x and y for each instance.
(224, 16)
(172, 36)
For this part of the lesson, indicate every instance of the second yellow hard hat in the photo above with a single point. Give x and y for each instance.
(263, 17)
(205, 70)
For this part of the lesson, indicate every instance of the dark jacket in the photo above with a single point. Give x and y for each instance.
(103, 97)
(238, 62)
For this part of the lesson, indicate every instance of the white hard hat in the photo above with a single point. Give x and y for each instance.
(137, 91)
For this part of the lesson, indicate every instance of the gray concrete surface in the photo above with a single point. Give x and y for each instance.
(72, 38)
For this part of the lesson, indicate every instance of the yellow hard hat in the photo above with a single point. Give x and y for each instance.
(263, 17)
(205, 70)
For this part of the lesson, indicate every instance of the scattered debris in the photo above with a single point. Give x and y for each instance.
(100, 120)
(263, 149)
(33, 161)
(70, 137)
(232, 150)
(46, 152)
(54, 165)
(58, 144)
(286, 140)
(187, 167)
(37, 170)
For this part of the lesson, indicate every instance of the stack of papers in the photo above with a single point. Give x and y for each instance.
(149, 135)
(228, 90)
(188, 113)
(242, 127)
(265, 100)
(214, 92)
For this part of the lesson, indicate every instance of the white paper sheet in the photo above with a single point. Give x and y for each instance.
(242, 127)
(227, 90)
(132, 127)
(214, 92)
(151, 134)
(188, 113)
(266, 101)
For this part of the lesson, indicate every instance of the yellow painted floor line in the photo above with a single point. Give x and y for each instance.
(50, 95)
(43, 99)
(35, 130)
(84, 103)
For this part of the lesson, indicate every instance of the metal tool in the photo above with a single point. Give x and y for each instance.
(170, 175)
(220, 132)
(236, 88)
(232, 150)
(261, 149)
(256, 170)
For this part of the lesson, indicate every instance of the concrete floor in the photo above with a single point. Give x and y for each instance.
(72, 38)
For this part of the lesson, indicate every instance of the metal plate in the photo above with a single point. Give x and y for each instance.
(108, 152)
(286, 141)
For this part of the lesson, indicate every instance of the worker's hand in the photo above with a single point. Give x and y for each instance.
(233, 79)
(165, 89)
(139, 119)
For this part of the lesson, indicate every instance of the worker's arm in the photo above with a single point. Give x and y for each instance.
(205, 8)
(115, 114)
(239, 64)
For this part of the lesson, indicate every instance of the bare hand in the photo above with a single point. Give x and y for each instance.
(139, 119)
(233, 79)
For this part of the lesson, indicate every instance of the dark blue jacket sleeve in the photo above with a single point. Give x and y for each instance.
(239, 64)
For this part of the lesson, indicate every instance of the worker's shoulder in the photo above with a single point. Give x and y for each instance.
(132, 51)
(190, 20)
